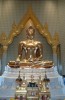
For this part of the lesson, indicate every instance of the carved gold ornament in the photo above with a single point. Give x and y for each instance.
(1, 51)
(55, 42)
(16, 29)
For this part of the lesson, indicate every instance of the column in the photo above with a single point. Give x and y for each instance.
(57, 59)
(0, 65)
(4, 58)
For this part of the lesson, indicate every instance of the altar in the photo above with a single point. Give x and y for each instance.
(8, 84)
(30, 76)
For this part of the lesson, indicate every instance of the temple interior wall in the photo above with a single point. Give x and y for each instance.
(51, 12)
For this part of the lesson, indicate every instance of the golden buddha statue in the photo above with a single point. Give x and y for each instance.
(30, 53)
(29, 50)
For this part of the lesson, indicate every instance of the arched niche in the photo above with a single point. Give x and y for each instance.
(47, 49)
(19, 30)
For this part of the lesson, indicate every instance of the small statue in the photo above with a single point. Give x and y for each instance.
(29, 50)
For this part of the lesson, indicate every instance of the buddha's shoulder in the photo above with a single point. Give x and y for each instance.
(22, 42)
(37, 42)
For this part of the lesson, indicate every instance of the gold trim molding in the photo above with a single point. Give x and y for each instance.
(16, 29)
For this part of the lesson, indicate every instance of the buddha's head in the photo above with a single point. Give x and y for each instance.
(30, 32)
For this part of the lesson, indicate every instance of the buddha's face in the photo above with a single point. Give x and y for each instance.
(30, 31)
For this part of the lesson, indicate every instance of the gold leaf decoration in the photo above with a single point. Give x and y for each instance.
(3, 39)
(1, 51)
(55, 42)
